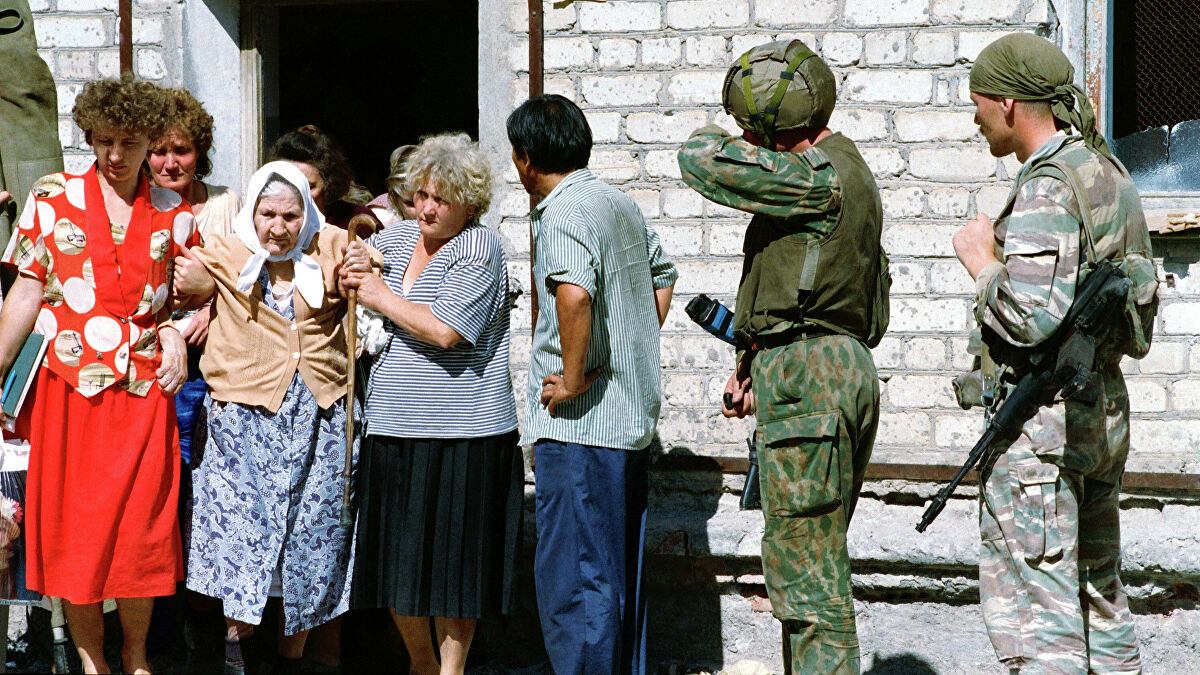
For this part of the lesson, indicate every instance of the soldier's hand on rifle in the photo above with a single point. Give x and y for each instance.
(974, 245)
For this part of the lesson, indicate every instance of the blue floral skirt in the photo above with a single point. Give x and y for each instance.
(268, 497)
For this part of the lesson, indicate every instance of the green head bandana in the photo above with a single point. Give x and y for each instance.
(1026, 67)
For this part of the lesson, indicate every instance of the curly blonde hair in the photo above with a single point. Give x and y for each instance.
(459, 168)
(189, 118)
(135, 106)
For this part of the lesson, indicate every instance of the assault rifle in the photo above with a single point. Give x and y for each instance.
(718, 321)
(1059, 366)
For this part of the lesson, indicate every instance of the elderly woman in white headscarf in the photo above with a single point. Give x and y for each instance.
(268, 477)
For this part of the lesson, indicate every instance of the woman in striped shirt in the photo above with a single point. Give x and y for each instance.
(441, 476)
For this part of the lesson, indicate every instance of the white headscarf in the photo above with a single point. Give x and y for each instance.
(307, 277)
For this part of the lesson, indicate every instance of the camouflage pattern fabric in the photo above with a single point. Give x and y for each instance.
(818, 409)
(1049, 563)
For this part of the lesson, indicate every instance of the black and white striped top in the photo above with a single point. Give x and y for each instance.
(417, 390)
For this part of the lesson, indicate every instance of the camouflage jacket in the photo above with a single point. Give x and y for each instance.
(811, 252)
(736, 173)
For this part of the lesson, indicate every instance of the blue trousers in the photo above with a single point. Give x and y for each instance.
(589, 566)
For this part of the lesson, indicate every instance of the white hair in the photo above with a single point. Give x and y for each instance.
(277, 185)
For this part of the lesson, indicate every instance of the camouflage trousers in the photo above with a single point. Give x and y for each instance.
(1049, 565)
(818, 409)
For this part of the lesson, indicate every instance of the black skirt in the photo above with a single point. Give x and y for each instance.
(439, 525)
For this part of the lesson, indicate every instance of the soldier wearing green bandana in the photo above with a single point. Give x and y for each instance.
(1049, 519)
(811, 302)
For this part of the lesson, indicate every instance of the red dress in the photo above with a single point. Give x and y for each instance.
(103, 482)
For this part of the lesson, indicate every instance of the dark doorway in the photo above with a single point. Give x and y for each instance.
(375, 75)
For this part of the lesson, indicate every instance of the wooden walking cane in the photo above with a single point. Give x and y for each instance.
(360, 220)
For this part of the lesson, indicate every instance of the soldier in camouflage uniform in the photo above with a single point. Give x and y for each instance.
(1049, 564)
(812, 300)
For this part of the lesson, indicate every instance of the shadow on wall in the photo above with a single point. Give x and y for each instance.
(684, 625)
(901, 664)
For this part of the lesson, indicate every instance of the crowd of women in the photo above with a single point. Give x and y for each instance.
(189, 421)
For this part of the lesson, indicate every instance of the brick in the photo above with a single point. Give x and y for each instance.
(948, 202)
(1194, 359)
(647, 201)
(906, 428)
(726, 122)
(147, 30)
(693, 14)
(613, 54)
(708, 277)
(1165, 357)
(614, 165)
(929, 125)
(887, 12)
(950, 278)
(74, 162)
(1149, 437)
(975, 11)
(726, 239)
(149, 64)
(682, 204)
(859, 125)
(702, 87)
(76, 65)
(619, 17)
(516, 237)
(903, 202)
(663, 128)
(70, 31)
(554, 20)
(933, 49)
(662, 164)
(681, 240)
(568, 53)
(941, 92)
(86, 6)
(685, 389)
(908, 278)
(794, 12)
(518, 56)
(1145, 396)
(920, 391)
(605, 126)
(990, 200)
(1185, 396)
(958, 431)
(108, 63)
(841, 49)
(622, 90)
(885, 48)
(964, 91)
(888, 86)
(884, 162)
(919, 240)
(952, 164)
(939, 315)
(1039, 12)
(888, 354)
(706, 50)
(66, 134)
(925, 354)
(1179, 318)
(715, 210)
(1009, 167)
(661, 51)
(970, 43)
(38, 6)
(960, 358)
(513, 204)
(67, 93)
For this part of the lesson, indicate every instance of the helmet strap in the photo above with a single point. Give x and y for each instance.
(766, 120)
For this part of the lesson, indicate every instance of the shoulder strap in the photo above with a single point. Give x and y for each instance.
(1057, 168)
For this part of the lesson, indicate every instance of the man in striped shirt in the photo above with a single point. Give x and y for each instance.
(601, 289)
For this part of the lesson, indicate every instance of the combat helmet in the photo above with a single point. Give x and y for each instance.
(779, 86)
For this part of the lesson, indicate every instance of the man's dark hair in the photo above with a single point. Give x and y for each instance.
(552, 133)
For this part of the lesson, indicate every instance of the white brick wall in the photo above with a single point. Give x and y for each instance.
(902, 67)
(78, 39)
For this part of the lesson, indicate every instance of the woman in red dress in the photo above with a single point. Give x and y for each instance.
(92, 252)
